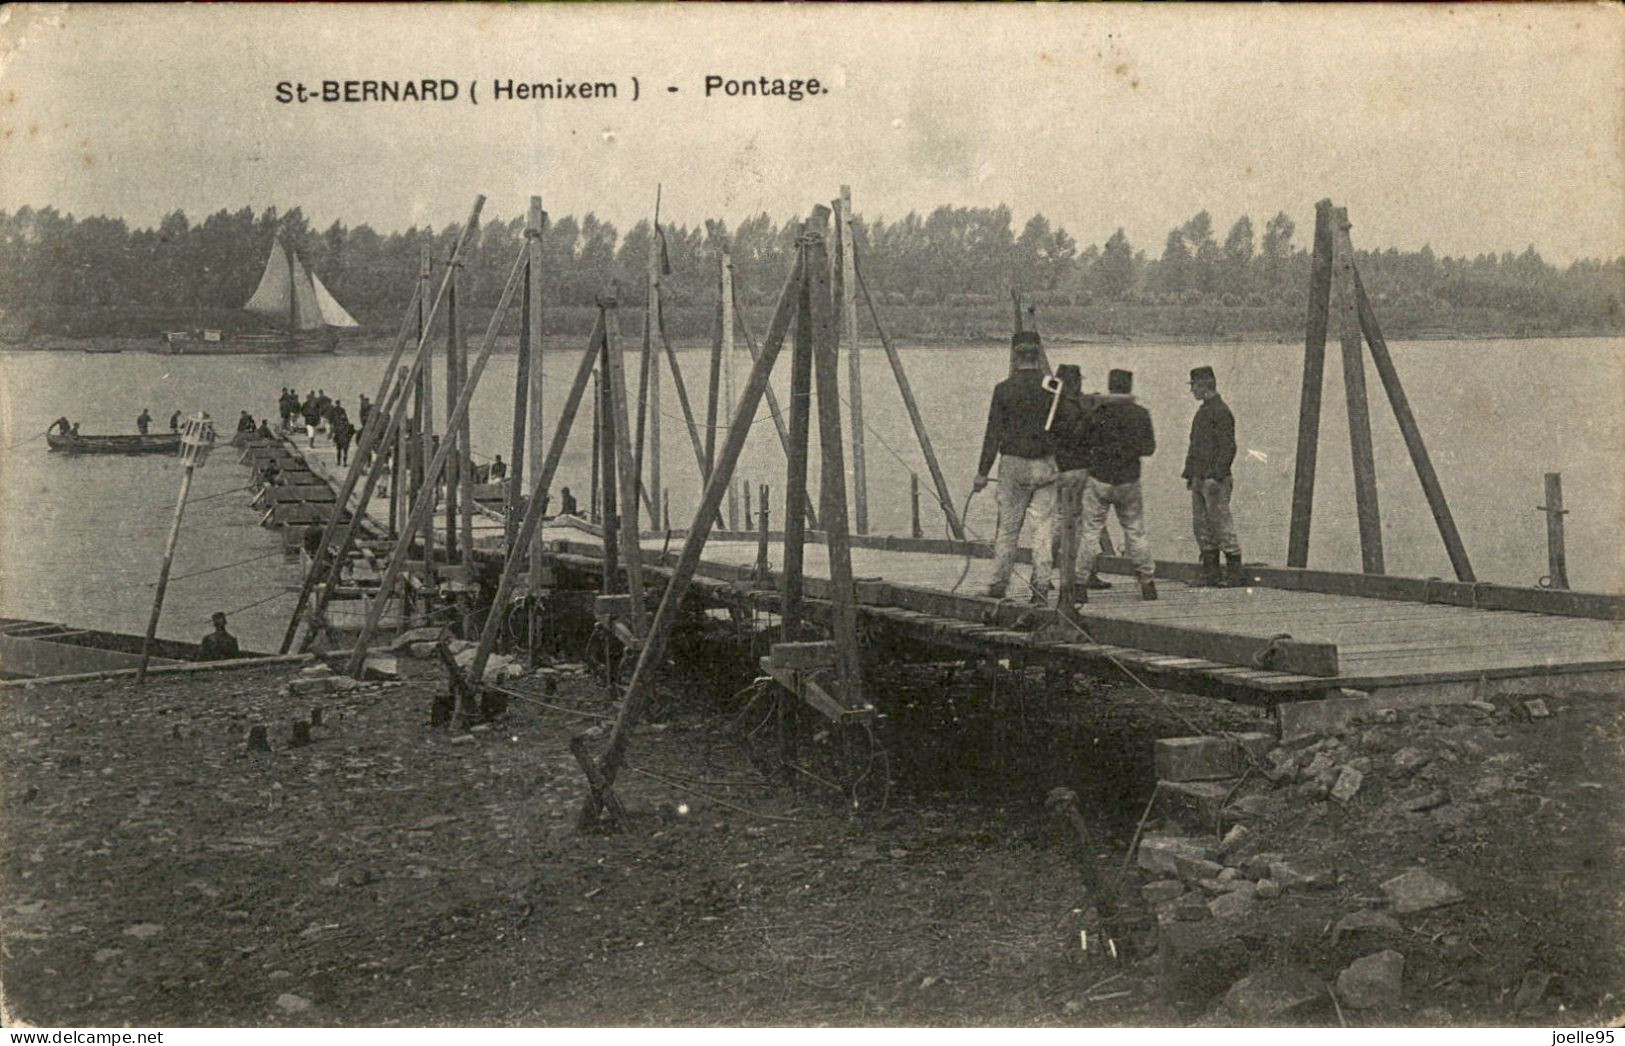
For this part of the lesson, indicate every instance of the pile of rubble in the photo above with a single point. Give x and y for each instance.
(1241, 920)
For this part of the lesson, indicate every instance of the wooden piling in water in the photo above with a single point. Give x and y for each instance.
(625, 468)
(1557, 565)
(847, 303)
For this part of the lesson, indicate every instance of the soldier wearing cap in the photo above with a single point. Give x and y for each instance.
(218, 645)
(1017, 436)
(1207, 476)
(1072, 458)
(1118, 434)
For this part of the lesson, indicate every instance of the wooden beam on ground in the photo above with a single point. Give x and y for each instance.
(1314, 370)
(1367, 510)
(1431, 487)
(653, 652)
(369, 432)
(424, 505)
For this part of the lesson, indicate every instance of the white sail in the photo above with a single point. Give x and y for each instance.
(286, 281)
(332, 313)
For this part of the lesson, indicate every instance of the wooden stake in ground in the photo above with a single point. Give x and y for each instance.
(1366, 507)
(197, 436)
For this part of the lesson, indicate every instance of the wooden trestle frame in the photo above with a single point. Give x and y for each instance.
(1332, 264)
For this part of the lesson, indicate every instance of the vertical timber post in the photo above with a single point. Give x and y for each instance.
(832, 480)
(728, 366)
(533, 581)
(625, 469)
(1314, 370)
(914, 527)
(454, 463)
(1557, 564)
(795, 486)
(425, 433)
(854, 360)
(595, 510)
(1367, 509)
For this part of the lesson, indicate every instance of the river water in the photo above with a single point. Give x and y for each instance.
(81, 538)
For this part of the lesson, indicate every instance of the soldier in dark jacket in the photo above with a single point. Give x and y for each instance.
(142, 421)
(1016, 435)
(1071, 457)
(312, 413)
(219, 645)
(1117, 435)
(338, 423)
(1207, 476)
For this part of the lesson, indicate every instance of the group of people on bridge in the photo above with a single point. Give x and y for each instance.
(1075, 456)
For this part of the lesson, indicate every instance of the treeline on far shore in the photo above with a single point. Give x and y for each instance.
(944, 276)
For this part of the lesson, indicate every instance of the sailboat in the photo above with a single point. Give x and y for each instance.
(290, 295)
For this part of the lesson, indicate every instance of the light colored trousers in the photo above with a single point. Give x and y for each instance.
(1210, 516)
(1098, 497)
(1025, 485)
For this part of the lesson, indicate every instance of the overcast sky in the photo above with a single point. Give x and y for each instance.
(1478, 128)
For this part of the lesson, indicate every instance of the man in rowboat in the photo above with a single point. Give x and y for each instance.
(143, 421)
(219, 645)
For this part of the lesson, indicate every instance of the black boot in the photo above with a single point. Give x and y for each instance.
(1095, 581)
(1148, 589)
(1208, 575)
(1234, 576)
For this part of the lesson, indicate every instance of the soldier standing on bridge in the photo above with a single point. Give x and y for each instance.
(1016, 434)
(1207, 476)
(1117, 434)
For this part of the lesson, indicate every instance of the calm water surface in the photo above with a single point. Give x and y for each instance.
(81, 538)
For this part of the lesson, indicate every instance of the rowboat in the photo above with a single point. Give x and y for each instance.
(36, 649)
(155, 443)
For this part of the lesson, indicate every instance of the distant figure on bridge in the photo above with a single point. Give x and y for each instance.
(324, 404)
(364, 411)
(175, 422)
(1016, 435)
(245, 422)
(288, 407)
(567, 504)
(497, 470)
(312, 415)
(338, 423)
(264, 431)
(1118, 434)
(1207, 476)
(219, 645)
(143, 421)
(62, 426)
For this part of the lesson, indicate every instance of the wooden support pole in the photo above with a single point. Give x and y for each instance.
(832, 479)
(608, 494)
(1557, 566)
(729, 365)
(465, 446)
(536, 504)
(425, 505)
(1431, 487)
(631, 548)
(938, 481)
(163, 571)
(400, 490)
(795, 485)
(653, 652)
(375, 423)
(1314, 370)
(537, 219)
(762, 564)
(653, 328)
(1019, 326)
(845, 239)
(1365, 467)
(773, 405)
(914, 527)
(749, 515)
(454, 467)
(425, 430)
(524, 355)
(595, 513)
(713, 389)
